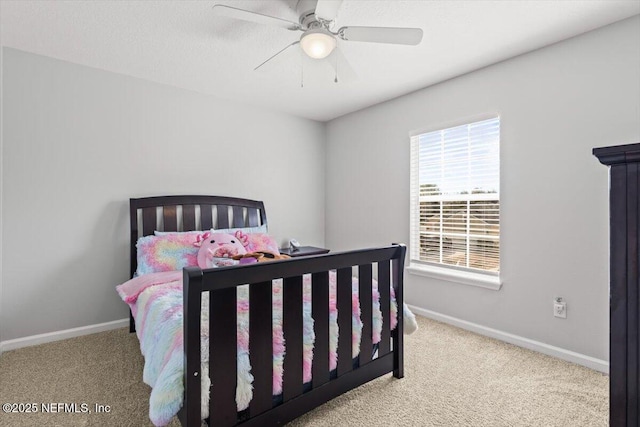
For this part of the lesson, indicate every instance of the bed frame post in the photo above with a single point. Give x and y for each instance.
(133, 218)
(397, 265)
(192, 294)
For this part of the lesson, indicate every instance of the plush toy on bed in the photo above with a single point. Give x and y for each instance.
(217, 249)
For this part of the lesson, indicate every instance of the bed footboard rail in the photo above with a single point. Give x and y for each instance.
(387, 263)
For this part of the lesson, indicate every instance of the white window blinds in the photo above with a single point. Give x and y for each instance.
(455, 197)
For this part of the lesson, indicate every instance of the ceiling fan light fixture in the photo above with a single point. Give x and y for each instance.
(318, 43)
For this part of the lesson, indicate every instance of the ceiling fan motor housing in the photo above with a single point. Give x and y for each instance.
(306, 10)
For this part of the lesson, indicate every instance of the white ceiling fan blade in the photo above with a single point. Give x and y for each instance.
(409, 36)
(343, 70)
(327, 9)
(259, 18)
(278, 53)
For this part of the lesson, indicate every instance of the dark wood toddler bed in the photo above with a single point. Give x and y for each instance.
(185, 213)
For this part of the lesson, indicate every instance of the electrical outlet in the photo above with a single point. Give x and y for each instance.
(560, 308)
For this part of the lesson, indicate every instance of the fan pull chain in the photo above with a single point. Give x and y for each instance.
(335, 80)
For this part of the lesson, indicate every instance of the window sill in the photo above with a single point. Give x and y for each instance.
(457, 276)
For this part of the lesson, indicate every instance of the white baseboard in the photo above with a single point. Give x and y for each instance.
(560, 353)
(61, 335)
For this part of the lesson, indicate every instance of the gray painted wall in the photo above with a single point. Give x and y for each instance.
(555, 104)
(75, 134)
(79, 142)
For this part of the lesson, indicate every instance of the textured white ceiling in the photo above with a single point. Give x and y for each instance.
(182, 43)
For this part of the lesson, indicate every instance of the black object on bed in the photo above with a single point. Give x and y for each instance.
(186, 213)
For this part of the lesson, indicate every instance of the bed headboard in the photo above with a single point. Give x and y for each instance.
(188, 213)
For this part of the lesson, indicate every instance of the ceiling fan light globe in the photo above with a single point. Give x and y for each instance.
(318, 44)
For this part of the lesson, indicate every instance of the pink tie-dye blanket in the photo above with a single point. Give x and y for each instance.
(156, 303)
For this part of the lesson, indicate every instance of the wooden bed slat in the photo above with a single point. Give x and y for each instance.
(384, 277)
(238, 217)
(223, 354)
(252, 216)
(223, 217)
(320, 314)
(170, 218)
(148, 221)
(205, 217)
(343, 303)
(188, 217)
(364, 292)
(260, 344)
(292, 327)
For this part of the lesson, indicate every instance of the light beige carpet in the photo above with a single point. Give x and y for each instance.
(452, 378)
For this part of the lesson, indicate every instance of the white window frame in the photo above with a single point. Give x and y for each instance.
(484, 279)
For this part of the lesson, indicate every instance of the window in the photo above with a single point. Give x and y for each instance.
(455, 198)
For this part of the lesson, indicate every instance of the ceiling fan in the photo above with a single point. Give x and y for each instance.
(316, 22)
